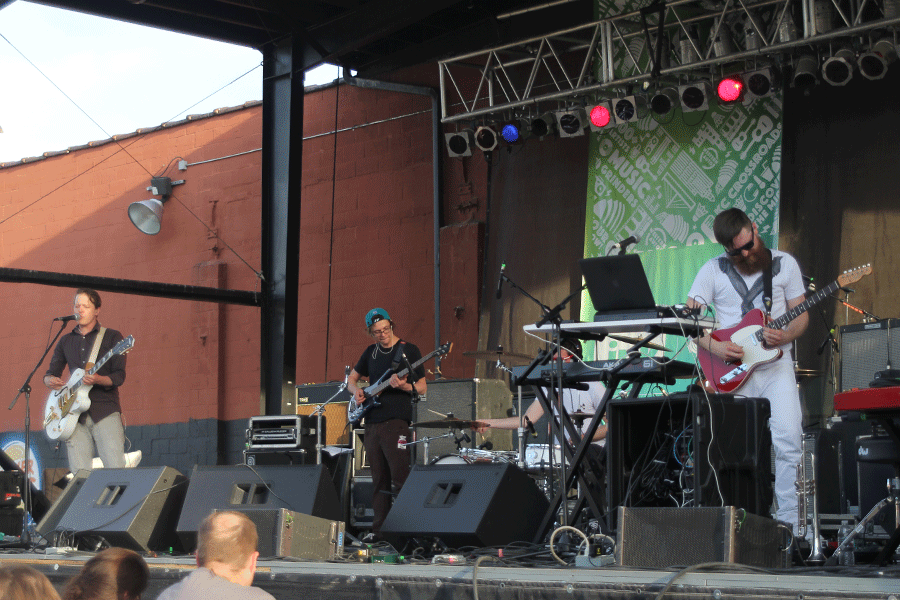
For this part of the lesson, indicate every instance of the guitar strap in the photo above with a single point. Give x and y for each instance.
(748, 295)
(92, 359)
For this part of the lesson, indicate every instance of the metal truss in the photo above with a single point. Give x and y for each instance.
(660, 44)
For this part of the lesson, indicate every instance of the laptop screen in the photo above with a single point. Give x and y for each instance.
(617, 283)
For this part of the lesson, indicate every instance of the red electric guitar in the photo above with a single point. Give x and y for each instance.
(728, 377)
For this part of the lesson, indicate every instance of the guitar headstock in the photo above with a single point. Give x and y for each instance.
(444, 349)
(124, 346)
(854, 275)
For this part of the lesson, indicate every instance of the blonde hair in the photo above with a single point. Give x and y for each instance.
(21, 582)
(226, 537)
(110, 575)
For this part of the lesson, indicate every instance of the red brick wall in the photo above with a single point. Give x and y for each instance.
(366, 240)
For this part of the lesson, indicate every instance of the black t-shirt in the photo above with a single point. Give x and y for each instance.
(395, 404)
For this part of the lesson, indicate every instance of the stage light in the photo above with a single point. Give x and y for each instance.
(759, 83)
(805, 71)
(543, 125)
(486, 138)
(513, 131)
(626, 109)
(694, 96)
(459, 143)
(873, 64)
(146, 215)
(730, 89)
(664, 101)
(572, 122)
(838, 70)
(600, 116)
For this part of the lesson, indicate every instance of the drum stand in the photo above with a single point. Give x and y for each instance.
(427, 440)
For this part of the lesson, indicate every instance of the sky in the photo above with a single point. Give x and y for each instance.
(112, 78)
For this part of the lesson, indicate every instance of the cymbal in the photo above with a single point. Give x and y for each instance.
(496, 355)
(451, 424)
(580, 416)
(807, 373)
(633, 340)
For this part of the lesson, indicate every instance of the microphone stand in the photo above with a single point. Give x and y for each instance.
(319, 416)
(26, 389)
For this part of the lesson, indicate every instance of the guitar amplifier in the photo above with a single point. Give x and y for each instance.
(337, 433)
(865, 350)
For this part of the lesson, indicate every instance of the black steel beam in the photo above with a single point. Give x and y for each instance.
(131, 286)
(282, 168)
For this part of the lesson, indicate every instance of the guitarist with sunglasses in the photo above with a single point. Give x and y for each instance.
(387, 421)
(734, 283)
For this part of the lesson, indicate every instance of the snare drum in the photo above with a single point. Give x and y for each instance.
(537, 457)
(478, 455)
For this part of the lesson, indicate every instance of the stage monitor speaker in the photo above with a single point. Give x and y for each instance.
(50, 523)
(663, 537)
(691, 446)
(306, 489)
(864, 351)
(132, 508)
(467, 399)
(481, 505)
(284, 532)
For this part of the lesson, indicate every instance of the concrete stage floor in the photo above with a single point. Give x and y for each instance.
(525, 578)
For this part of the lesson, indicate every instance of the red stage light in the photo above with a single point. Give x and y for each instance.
(730, 89)
(600, 116)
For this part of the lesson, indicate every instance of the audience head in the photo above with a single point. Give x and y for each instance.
(113, 574)
(226, 545)
(21, 582)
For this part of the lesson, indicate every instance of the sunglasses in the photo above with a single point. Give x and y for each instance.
(748, 246)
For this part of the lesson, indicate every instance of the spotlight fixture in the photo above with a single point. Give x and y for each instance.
(730, 89)
(513, 131)
(600, 116)
(571, 122)
(664, 101)
(759, 83)
(873, 63)
(147, 214)
(694, 96)
(543, 125)
(486, 138)
(838, 70)
(805, 71)
(460, 143)
(625, 109)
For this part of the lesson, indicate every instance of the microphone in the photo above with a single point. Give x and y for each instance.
(500, 281)
(623, 245)
(346, 374)
(67, 318)
(828, 340)
(530, 427)
(488, 445)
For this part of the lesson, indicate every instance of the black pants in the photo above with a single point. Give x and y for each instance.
(390, 465)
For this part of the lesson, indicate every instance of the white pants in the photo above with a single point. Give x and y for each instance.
(776, 382)
(109, 438)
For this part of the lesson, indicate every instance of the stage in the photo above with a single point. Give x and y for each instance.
(485, 577)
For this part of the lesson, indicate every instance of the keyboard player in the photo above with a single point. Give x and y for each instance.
(577, 402)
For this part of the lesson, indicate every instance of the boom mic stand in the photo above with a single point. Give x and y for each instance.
(26, 389)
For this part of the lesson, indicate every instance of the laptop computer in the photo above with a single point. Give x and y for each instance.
(619, 288)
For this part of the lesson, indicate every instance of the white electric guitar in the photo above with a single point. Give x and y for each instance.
(67, 403)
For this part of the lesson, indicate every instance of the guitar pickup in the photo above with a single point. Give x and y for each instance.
(733, 373)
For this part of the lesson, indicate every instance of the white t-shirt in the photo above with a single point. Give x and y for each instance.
(584, 401)
(712, 286)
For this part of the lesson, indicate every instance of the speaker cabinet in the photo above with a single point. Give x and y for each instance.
(131, 508)
(336, 431)
(823, 448)
(467, 505)
(361, 493)
(467, 399)
(864, 351)
(663, 537)
(284, 532)
(684, 446)
(304, 489)
(50, 523)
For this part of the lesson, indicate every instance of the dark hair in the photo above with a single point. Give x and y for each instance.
(91, 294)
(573, 345)
(21, 582)
(729, 224)
(110, 575)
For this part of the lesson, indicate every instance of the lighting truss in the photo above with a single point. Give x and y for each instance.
(613, 54)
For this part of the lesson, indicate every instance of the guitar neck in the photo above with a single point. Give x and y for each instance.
(782, 321)
(379, 387)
